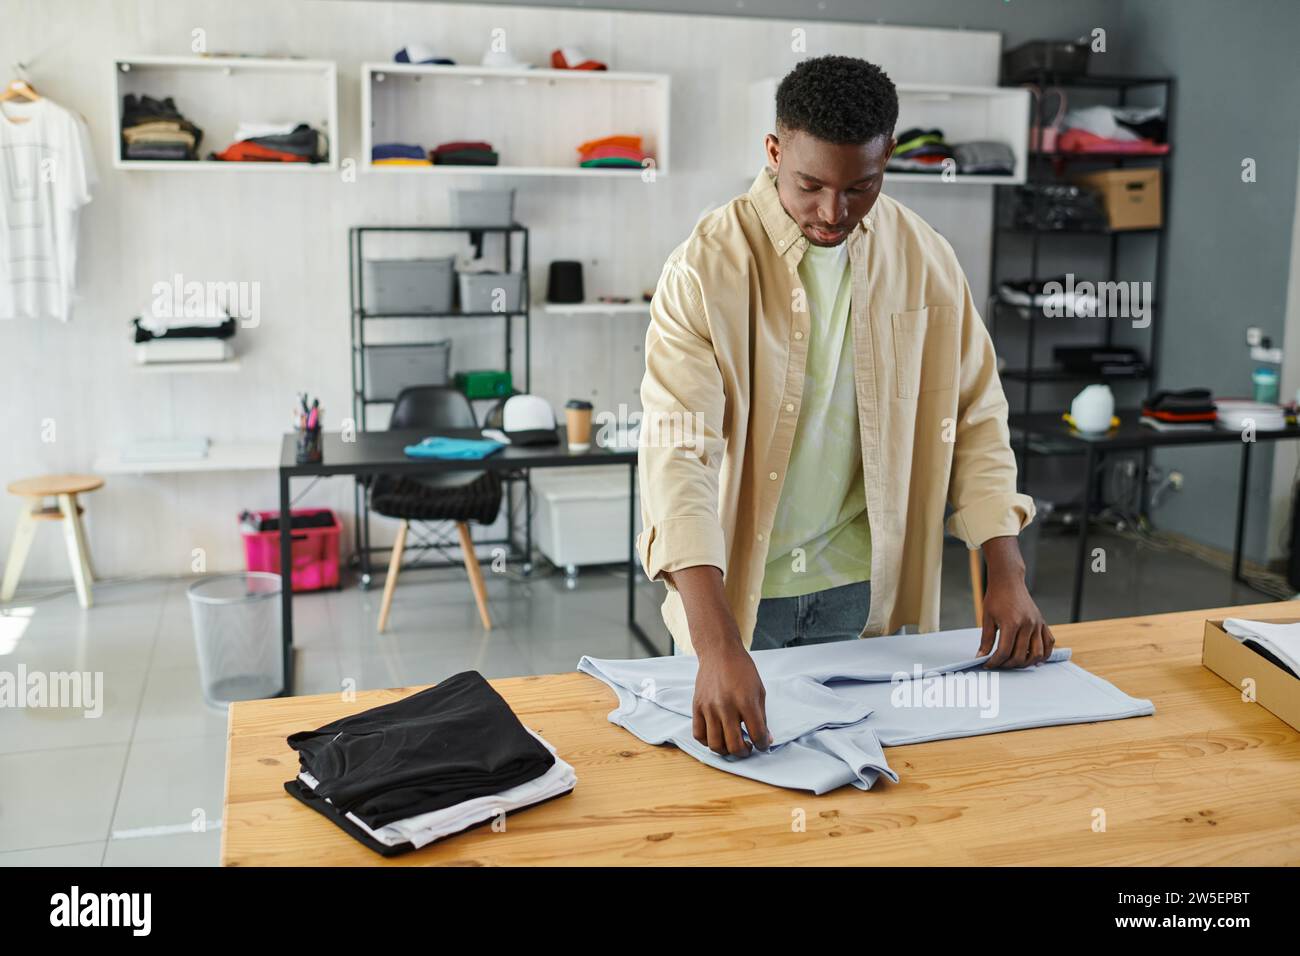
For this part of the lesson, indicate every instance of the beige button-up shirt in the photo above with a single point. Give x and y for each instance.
(725, 361)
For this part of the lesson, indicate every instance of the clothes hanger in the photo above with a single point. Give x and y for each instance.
(19, 88)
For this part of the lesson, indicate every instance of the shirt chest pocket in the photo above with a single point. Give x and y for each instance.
(925, 350)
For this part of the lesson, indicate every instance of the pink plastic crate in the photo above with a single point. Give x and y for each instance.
(315, 551)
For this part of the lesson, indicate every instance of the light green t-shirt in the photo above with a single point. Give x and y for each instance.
(823, 507)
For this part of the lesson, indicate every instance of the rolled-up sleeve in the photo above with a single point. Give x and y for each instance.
(982, 485)
(681, 444)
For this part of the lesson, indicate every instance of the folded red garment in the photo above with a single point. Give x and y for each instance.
(247, 151)
(1081, 141)
(1180, 416)
(613, 152)
(457, 146)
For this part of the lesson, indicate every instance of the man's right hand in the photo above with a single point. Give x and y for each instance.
(728, 690)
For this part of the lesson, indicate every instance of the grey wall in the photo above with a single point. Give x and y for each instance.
(1229, 242)
(1018, 20)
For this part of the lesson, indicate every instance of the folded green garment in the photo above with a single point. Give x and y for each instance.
(611, 161)
(453, 448)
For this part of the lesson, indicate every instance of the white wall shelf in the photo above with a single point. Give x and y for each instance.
(217, 93)
(964, 113)
(534, 119)
(598, 308)
(222, 456)
(176, 368)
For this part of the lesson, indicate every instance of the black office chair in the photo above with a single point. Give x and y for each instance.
(456, 496)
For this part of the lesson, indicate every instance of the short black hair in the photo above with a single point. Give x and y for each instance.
(839, 99)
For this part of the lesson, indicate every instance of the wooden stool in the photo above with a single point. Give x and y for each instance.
(64, 489)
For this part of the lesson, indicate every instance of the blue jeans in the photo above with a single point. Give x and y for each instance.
(836, 614)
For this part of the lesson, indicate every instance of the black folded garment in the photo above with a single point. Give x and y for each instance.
(303, 141)
(1185, 401)
(223, 331)
(442, 746)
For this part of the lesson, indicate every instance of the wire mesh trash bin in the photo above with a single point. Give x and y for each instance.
(237, 635)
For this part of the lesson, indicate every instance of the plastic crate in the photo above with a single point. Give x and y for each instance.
(478, 291)
(482, 207)
(314, 551)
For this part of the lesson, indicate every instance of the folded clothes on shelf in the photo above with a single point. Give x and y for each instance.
(920, 151)
(985, 157)
(1112, 129)
(154, 129)
(612, 151)
(464, 153)
(302, 144)
(1188, 409)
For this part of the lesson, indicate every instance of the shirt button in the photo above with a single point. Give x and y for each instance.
(798, 335)
(751, 598)
(760, 536)
(781, 243)
(772, 475)
(789, 406)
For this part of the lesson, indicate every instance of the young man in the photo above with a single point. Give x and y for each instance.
(818, 386)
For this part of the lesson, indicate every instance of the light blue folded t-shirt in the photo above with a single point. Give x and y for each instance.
(832, 708)
(468, 449)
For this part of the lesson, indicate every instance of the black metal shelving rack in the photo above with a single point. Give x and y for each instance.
(358, 316)
(1042, 169)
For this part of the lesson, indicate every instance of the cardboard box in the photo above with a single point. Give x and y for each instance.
(1275, 689)
(1131, 196)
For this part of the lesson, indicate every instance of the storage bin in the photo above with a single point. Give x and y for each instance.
(478, 291)
(391, 368)
(582, 515)
(484, 383)
(314, 550)
(482, 207)
(1131, 196)
(407, 285)
(1060, 59)
(237, 636)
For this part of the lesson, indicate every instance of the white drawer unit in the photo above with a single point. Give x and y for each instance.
(581, 516)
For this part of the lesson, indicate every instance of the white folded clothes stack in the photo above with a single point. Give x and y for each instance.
(1280, 640)
(162, 351)
(426, 828)
(1236, 414)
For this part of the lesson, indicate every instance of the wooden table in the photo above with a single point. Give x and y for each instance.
(1208, 780)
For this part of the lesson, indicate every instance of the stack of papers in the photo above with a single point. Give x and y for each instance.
(1235, 414)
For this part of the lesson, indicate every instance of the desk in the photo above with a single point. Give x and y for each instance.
(380, 453)
(1132, 435)
(1207, 780)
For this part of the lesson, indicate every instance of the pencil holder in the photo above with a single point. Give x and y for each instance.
(309, 448)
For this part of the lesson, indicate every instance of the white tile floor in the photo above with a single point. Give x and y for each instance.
(129, 787)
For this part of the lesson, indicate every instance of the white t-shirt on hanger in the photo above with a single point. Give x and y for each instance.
(47, 173)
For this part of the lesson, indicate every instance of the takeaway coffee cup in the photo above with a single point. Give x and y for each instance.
(577, 419)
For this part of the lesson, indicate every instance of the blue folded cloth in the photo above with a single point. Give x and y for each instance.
(455, 448)
(397, 151)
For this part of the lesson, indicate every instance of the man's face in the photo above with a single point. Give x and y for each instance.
(826, 187)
